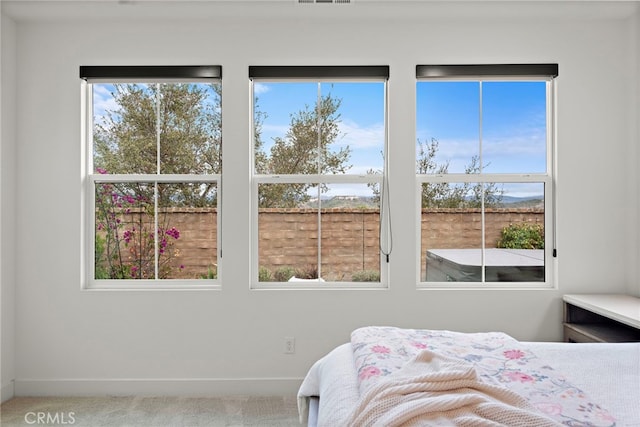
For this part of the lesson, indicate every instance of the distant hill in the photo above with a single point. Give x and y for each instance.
(523, 202)
(369, 202)
(343, 202)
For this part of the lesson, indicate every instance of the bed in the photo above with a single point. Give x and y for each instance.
(389, 376)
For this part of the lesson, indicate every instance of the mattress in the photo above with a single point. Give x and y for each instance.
(608, 373)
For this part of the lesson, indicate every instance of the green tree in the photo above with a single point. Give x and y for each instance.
(439, 194)
(305, 149)
(492, 192)
(522, 236)
(450, 195)
(186, 117)
(260, 157)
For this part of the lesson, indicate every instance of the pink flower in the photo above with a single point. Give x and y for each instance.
(368, 372)
(519, 376)
(173, 232)
(101, 171)
(603, 415)
(549, 408)
(419, 345)
(514, 354)
(380, 349)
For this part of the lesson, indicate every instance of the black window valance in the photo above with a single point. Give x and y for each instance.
(318, 72)
(150, 72)
(493, 70)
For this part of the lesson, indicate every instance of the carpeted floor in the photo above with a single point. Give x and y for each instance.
(151, 411)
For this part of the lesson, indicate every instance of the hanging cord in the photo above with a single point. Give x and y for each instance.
(554, 166)
(385, 204)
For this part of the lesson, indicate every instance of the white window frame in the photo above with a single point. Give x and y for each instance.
(319, 179)
(92, 179)
(547, 178)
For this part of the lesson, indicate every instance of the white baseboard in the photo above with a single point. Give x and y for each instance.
(158, 387)
(7, 392)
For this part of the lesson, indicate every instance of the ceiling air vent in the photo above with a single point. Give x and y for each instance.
(324, 1)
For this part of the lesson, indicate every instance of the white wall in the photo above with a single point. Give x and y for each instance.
(7, 203)
(70, 341)
(634, 285)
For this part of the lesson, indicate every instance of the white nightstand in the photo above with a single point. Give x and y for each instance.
(601, 318)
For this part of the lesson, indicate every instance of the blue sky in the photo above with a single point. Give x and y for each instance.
(513, 124)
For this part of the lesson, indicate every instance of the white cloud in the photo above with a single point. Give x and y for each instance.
(533, 143)
(516, 148)
(260, 88)
(357, 137)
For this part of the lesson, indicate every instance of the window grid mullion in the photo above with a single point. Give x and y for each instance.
(155, 186)
(480, 166)
(482, 178)
(319, 172)
(151, 178)
(318, 179)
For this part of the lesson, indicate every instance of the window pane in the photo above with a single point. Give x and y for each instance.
(451, 230)
(350, 233)
(447, 126)
(319, 128)
(513, 232)
(124, 128)
(124, 235)
(187, 231)
(190, 128)
(349, 225)
(288, 234)
(514, 235)
(514, 127)
(125, 231)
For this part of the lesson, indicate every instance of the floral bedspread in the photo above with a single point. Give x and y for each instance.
(498, 359)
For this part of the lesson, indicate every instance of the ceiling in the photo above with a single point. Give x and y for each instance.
(104, 10)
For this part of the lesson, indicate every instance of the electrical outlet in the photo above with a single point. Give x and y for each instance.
(289, 345)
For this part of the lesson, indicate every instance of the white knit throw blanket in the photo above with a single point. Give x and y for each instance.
(434, 390)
